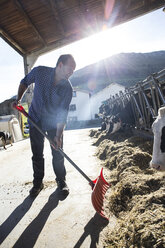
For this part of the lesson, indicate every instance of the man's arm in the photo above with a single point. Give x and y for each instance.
(60, 129)
(22, 88)
(59, 134)
(62, 115)
(25, 82)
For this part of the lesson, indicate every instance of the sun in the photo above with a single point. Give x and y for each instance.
(97, 47)
(92, 49)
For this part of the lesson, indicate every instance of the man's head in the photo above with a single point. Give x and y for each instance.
(65, 66)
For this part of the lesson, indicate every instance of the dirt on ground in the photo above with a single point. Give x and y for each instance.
(137, 195)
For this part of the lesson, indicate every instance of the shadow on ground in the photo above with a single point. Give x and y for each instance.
(31, 233)
(29, 237)
(92, 228)
(14, 218)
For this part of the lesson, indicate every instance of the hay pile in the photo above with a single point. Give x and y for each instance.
(137, 197)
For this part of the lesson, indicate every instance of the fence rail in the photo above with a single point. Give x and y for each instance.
(146, 97)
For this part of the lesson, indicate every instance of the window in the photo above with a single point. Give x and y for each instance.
(74, 118)
(74, 93)
(72, 107)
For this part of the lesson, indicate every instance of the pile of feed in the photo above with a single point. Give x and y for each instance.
(137, 195)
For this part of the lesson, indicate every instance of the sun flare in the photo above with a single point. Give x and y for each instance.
(99, 46)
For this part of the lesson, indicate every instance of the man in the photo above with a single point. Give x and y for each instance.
(49, 109)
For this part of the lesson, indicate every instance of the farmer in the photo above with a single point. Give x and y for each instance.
(49, 109)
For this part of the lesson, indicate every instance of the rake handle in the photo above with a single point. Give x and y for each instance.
(22, 110)
(77, 168)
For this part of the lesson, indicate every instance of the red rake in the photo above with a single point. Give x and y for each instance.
(99, 185)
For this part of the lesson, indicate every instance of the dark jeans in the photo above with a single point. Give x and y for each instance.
(37, 147)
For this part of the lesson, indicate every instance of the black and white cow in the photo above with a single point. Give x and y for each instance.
(113, 124)
(120, 116)
(158, 155)
(4, 137)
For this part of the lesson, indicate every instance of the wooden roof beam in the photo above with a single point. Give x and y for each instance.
(11, 41)
(57, 16)
(86, 16)
(27, 18)
(140, 11)
(3, 2)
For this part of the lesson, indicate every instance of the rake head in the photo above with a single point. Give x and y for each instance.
(100, 188)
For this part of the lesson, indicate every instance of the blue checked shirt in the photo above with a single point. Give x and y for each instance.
(50, 103)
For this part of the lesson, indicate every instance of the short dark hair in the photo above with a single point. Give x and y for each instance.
(64, 58)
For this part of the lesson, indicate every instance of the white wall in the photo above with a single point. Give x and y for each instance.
(86, 106)
(10, 123)
(99, 97)
(82, 102)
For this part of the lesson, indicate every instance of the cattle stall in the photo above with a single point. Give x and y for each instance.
(138, 105)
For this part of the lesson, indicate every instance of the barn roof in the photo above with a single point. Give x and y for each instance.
(36, 27)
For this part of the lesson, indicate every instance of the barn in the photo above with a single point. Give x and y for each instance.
(136, 198)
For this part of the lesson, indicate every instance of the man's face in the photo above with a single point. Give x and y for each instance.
(67, 69)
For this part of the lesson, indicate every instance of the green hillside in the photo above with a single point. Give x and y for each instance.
(125, 68)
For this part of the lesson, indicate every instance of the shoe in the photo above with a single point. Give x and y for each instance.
(36, 190)
(63, 187)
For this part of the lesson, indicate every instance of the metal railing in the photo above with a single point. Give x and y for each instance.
(146, 97)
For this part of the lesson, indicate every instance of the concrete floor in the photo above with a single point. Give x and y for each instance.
(48, 221)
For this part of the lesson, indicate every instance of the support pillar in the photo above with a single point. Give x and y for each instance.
(29, 61)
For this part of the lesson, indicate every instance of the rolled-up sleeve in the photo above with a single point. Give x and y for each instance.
(30, 77)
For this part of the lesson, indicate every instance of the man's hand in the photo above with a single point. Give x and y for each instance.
(22, 88)
(58, 142)
(15, 103)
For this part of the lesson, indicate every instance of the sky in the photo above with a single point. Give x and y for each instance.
(143, 34)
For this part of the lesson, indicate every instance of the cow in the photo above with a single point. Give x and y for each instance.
(158, 154)
(113, 124)
(120, 116)
(4, 137)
